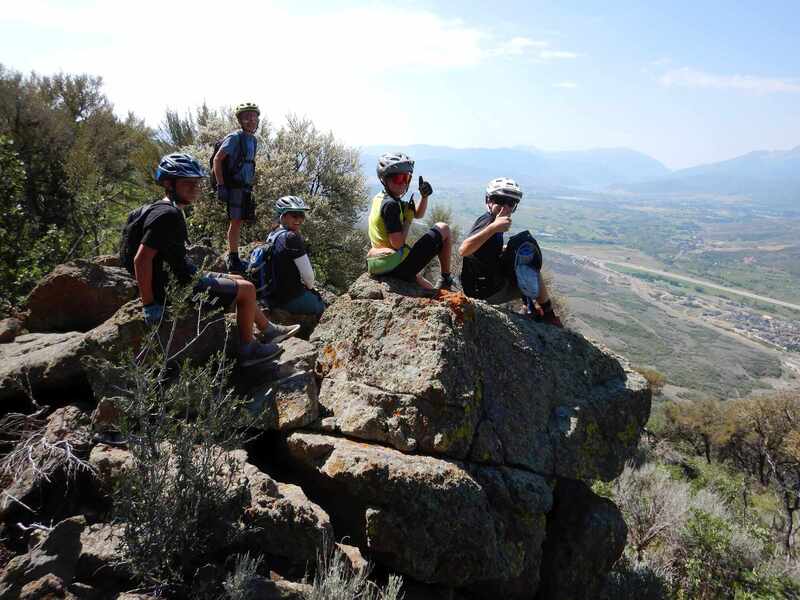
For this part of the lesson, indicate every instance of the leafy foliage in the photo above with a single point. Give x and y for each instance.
(81, 166)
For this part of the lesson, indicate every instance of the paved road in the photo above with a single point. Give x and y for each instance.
(699, 282)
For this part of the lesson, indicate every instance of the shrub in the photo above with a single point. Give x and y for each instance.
(182, 497)
(336, 580)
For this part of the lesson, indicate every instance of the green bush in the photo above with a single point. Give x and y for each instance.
(181, 499)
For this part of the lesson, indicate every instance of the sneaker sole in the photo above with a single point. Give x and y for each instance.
(284, 336)
(261, 359)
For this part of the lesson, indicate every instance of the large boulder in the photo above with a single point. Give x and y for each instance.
(78, 296)
(586, 535)
(437, 521)
(458, 378)
(40, 363)
(283, 393)
(281, 520)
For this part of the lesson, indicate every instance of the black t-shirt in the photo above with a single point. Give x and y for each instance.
(164, 230)
(481, 273)
(286, 277)
(391, 214)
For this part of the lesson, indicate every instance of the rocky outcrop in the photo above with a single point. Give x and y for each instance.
(442, 438)
(437, 521)
(461, 379)
(78, 296)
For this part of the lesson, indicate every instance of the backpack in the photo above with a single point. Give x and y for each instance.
(132, 236)
(229, 172)
(259, 269)
(509, 259)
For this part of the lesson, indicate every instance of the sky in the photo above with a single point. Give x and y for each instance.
(685, 82)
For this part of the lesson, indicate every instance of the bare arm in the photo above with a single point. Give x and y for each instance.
(143, 268)
(219, 157)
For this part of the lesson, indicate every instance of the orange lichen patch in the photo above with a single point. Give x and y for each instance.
(460, 305)
(327, 361)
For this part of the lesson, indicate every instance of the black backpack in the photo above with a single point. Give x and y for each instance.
(230, 172)
(132, 236)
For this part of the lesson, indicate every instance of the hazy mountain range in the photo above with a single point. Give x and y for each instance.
(772, 176)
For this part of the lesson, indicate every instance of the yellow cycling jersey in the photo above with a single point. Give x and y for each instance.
(378, 235)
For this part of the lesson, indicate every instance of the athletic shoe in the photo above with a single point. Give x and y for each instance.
(256, 352)
(275, 333)
(445, 282)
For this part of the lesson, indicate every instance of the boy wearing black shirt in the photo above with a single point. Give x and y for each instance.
(164, 239)
(482, 273)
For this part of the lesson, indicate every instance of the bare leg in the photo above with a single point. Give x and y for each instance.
(424, 283)
(246, 308)
(543, 296)
(233, 235)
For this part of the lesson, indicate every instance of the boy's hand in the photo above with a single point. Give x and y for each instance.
(502, 223)
(222, 193)
(425, 188)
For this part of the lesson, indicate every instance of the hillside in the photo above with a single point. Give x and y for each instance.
(769, 177)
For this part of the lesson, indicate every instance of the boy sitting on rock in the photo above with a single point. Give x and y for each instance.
(164, 239)
(499, 274)
(390, 221)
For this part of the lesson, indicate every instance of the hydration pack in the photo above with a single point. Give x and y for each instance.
(259, 270)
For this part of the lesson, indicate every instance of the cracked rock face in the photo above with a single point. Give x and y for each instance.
(438, 521)
(457, 378)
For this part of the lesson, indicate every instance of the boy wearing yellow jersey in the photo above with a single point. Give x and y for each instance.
(390, 221)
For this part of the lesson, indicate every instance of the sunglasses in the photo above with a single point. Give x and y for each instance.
(503, 201)
(400, 178)
(296, 215)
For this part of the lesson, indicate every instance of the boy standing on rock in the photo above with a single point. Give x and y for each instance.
(390, 221)
(499, 274)
(234, 170)
(164, 239)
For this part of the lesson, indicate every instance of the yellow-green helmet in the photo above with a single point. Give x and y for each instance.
(245, 106)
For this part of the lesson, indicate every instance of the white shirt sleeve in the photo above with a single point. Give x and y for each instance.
(306, 271)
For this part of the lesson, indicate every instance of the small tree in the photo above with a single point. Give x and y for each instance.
(693, 423)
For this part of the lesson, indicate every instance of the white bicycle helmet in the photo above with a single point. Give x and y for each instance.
(503, 186)
(291, 204)
(394, 162)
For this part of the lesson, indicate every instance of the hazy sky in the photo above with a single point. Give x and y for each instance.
(686, 82)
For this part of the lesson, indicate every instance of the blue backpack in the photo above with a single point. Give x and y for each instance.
(259, 269)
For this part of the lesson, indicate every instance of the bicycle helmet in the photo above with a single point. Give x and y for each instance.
(503, 186)
(394, 162)
(179, 166)
(291, 204)
(245, 106)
